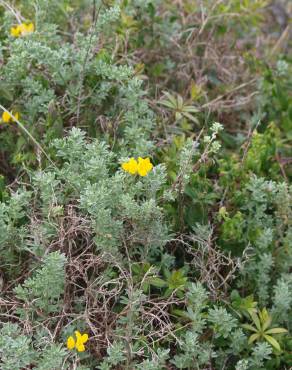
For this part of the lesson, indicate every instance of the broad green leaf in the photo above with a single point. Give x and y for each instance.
(273, 342)
(157, 282)
(266, 321)
(253, 337)
(167, 104)
(256, 320)
(190, 117)
(180, 103)
(249, 327)
(171, 98)
(145, 287)
(276, 331)
(251, 310)
(265, 317)
(190, 109)
(180, 313)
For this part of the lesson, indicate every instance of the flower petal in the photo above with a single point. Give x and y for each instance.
(144, 166)
(84, 338)
(6, 117)
(78, 335)
(80, 347)
(70, 343)
(15, 31)
(131, 166)
(16, 115)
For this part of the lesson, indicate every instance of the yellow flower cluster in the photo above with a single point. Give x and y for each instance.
(8, 118)
(141, 166)
(77, 342)
(22, 29)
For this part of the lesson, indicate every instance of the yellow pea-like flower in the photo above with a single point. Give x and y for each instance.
(26, 29)
(22, 29)
(70, 343)
(77, 342)
(8, 118)
(131, 166)
(144, 166)
(141, 167)
(15, 31)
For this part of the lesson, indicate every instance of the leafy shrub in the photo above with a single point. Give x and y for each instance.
(184, 265)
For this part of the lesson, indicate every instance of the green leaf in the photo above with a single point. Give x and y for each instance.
(276, 331)
(256, 320)
(145, 287)
(190, 109)
(180, 103)
(253, 337)
(190, 117)
(264, 316)
(171, 98)
(266, 321)
(273, 342)
(180, 313)
(167, 104)
(157, 282)
(249, 327)
(168, 292)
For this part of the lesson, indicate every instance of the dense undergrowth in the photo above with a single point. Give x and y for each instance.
(145, 162)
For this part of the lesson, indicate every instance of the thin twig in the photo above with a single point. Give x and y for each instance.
(9, 7)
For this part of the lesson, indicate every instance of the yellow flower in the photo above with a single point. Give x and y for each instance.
(144, 166)
(15, 31)
(77, 343)
(25, 29)
(7, 117)
(131, 166)
(70, 343)
(22, 29)
(140, 167)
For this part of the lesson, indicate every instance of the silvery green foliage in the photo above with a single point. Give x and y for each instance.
(115, 356)
(194, 354)
(186, 162)
(221, 321)
(17, 351)
(212, 145)
(83, 162)
(263, 273)
(73, 69)
(282, 300)
(242, 365)
(282, 68)
(190, 152)
(265, 239)
(15, 348)
(267, 212)
(238, 341)
(13, 231)
(197, 296)
(156, 363)
(107, 16)
(116, 202)
(44, 290)
(197, 301)
(261, 352)
(52, 357)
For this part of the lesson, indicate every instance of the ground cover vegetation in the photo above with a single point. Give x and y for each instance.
(145, 184)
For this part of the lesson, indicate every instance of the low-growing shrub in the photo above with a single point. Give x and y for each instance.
(136, 231)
